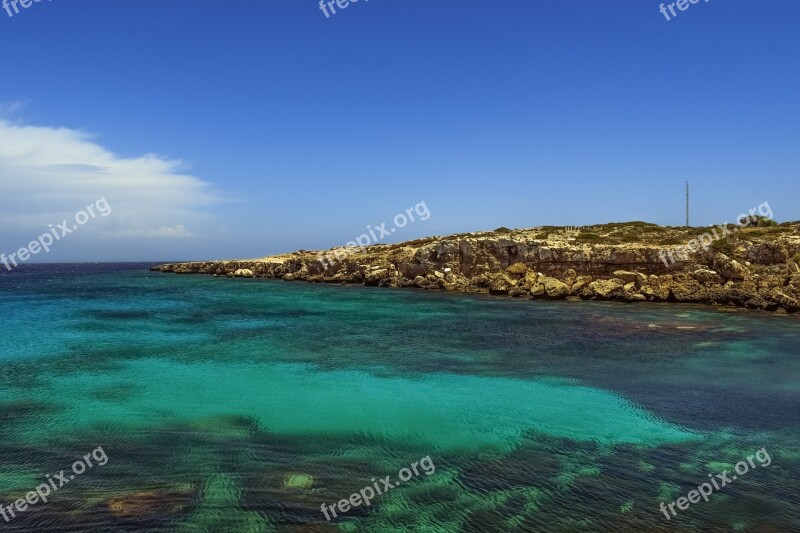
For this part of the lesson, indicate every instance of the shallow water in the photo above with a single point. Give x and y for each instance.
(244, 405)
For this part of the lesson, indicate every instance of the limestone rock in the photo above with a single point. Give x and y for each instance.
(538, 290)
(500, 284)
(784, 300)
(569, 277)
(628, 277)
(730, 268)
(608, 288)
(706, 277)
(517, 292)
(375, 277)
(761, 273)
(531, 278)
(554, 288)
(581, 283)
(517, 269)
(687, 289)
(657, 288)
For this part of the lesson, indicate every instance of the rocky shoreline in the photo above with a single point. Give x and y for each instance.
(757, 268)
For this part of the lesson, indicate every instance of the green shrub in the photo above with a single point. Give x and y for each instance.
(633, 224)
(762, 222)
(757, 221)
(722, 246)
(796, 258)
(418, 242)
(588, 237)
(762, 232)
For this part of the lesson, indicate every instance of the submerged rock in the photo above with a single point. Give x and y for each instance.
(151, 504)
(298, 481)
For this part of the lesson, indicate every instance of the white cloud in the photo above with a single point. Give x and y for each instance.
(9, 108)
(177, 232)
(48, 174)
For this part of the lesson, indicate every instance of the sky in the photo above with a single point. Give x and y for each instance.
(244, 128)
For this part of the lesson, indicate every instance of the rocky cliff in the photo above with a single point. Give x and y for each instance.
(754, 267)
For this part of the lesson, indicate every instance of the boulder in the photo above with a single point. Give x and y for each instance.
(756, 303)
(515, 292)
(554, 288)
(784, 300)
(580, 283)
(500, 284)
(375, 277)
(538, 290)
(730, 268)
(706, 277)
(607, 289)
(517, 269)
(569, 277)
(531, 278)
(243, 273)
(686, 289)
(628, 277)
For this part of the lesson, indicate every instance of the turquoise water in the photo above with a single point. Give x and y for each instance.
(244, 405)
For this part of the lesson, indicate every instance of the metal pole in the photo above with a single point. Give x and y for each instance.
(687, 204)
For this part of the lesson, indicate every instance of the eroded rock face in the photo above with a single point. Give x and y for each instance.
(784, 300)
(730, 268)
(527, 263)
(707, 277)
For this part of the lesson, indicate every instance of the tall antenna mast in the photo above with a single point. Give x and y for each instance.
(687, 204)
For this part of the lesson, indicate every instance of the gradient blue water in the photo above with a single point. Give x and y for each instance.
(213, 397)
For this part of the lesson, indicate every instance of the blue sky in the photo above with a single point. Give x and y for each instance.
(249, 127)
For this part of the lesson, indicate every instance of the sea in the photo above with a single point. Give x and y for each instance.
(138, 401)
